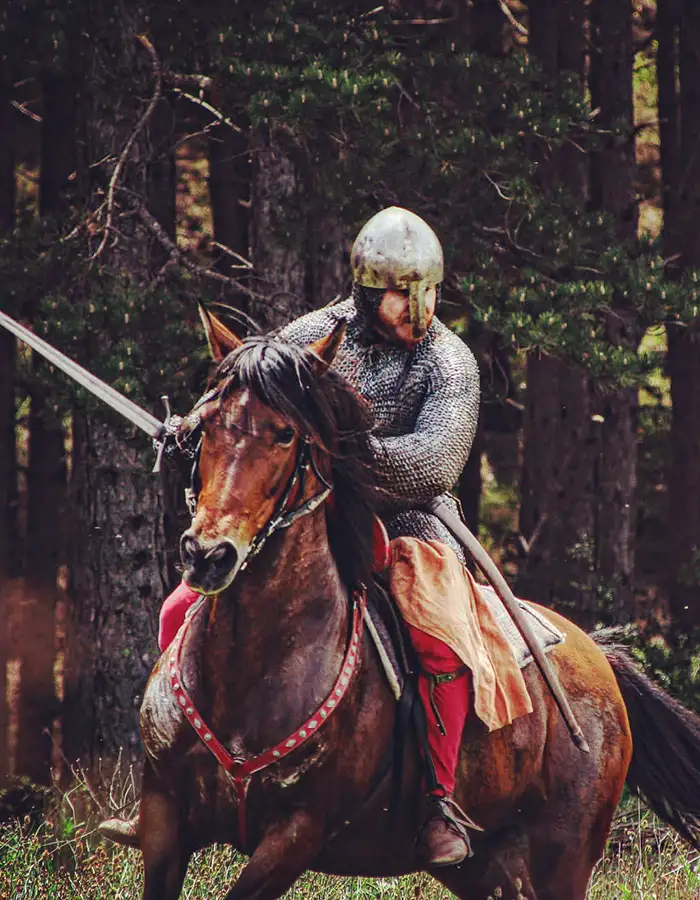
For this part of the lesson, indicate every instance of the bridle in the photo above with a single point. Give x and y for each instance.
(283, 516)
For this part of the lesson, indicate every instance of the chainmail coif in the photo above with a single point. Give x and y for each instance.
(425, 402)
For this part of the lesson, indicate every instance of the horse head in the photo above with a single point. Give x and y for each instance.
(268, 429)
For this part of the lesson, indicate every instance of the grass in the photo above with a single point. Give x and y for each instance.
(645, 861)
(62, 860)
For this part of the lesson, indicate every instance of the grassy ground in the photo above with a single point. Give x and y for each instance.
(644, 862)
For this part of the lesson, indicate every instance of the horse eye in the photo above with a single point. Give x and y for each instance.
(285, 436)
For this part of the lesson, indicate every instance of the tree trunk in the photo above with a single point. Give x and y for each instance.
(9, 524)
(330, 257)
(45, 553)
(612, 190)
(669, 124)
(543, 34)
(557, 517)
(299, 247)
(681, 176)
(117, 587)
(58, 149)
(610, 80)
(46, 482)
(118, 548)
(278, 237)
(47, 472)
(487, 25)
(9, 544)
(160, 178)
(34, 601)
(484, 31)
(46, 476)
(684, 476)
(560, 446)
(229, 196)
(470, 482)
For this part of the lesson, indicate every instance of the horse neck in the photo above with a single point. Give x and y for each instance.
(289, 603)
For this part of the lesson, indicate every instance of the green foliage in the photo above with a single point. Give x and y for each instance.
(379, 113)
(571, 317)
(145, 342)
(373, 111)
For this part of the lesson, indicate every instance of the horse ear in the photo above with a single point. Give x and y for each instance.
(327, 347)
(220, 339)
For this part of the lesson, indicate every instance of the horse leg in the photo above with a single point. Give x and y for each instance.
(570, 837)
(563, 868)
(286, 851)
(501, 871)
(165, 859)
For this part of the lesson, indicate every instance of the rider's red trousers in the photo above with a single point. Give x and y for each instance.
(435, 657)
(451, 700)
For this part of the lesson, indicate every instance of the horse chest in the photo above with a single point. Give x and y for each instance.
(162, 720)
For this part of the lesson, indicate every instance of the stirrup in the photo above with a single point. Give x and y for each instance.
(444, 839)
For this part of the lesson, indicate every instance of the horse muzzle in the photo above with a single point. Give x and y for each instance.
(210, 567)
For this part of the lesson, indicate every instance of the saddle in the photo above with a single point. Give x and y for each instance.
(390, 636)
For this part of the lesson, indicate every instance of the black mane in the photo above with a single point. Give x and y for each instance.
(284, 376)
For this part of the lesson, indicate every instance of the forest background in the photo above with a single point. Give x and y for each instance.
(157, 154)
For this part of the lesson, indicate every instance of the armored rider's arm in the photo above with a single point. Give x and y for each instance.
(413, 468)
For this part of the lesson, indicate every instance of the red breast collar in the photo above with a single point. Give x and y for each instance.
(240, 768)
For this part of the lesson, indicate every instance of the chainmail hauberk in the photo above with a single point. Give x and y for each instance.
(425, 402)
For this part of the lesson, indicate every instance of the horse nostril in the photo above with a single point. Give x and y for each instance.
(224, 552)
(188, 548)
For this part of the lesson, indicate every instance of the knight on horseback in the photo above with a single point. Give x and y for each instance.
(421, 383)
(271, 725)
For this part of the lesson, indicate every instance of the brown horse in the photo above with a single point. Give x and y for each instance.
(267, 676)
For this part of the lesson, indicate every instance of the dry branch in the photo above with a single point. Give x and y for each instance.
(178, 257)
(121, 162)
(208, 107)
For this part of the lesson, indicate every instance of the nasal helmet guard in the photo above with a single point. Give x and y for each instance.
(397, 250)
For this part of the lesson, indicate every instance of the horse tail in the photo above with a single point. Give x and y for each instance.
(665, 767)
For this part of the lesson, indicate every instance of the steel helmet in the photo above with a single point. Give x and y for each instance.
(397, 250)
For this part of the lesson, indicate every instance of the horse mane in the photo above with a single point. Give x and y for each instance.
(285, 377)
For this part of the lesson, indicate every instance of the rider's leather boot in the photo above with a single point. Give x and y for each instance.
(122, 831)
(444, 840)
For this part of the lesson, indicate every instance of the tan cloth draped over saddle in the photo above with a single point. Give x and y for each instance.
(437, 594)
